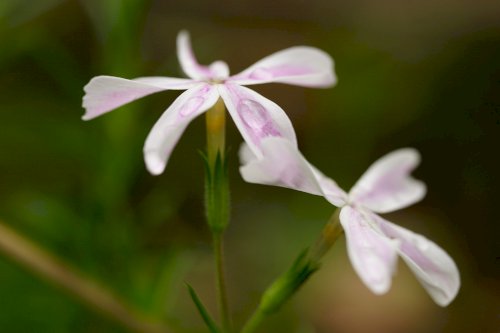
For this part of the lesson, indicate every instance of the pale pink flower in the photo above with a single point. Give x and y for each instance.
(373, 243)
(255, 116)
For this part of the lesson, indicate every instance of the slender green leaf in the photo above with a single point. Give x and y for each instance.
(203, 312)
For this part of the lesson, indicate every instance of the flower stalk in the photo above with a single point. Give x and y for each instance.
(286, 285)
(329, 235)
(217, 200)
(221, 282)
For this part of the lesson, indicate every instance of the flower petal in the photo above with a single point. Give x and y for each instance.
(256, 116)
(106, 93)
(372, 255)
(387, 185)
(217, 70)
(301, 65)
(282, 165)
(433, 267)
(169, 128)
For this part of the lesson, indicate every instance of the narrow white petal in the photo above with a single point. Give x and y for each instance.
(372, 255)
(169, 128)
(106, 93)
(301, 65)
(433, 267)
(256, 116)
(387, 185)
(281, 164)
(217, 70)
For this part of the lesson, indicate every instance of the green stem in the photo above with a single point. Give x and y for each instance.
(221, 282)
(217, 200)
(62, 275)
(331, 231)
(255, 320)
(286, 285)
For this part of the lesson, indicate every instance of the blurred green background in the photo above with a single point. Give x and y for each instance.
(424, 74)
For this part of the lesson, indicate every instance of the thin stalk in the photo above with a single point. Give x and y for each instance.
(217, 201)
(221, 282)
(286, 285)
(255, 320)
(62, 275)
(331, 231)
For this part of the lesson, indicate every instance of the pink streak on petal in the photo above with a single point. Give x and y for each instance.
(433, 267)
(261, 74)
(256, 119)
(301, 65)
(255, 116)
(281, 164)
(372, 255)
(169, 128)
(106, 93)
(287, 70)
(387, 185)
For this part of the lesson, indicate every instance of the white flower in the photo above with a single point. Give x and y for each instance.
(255, 116)
(372, 242)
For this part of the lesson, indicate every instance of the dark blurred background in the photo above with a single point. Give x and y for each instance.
(424, 74)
